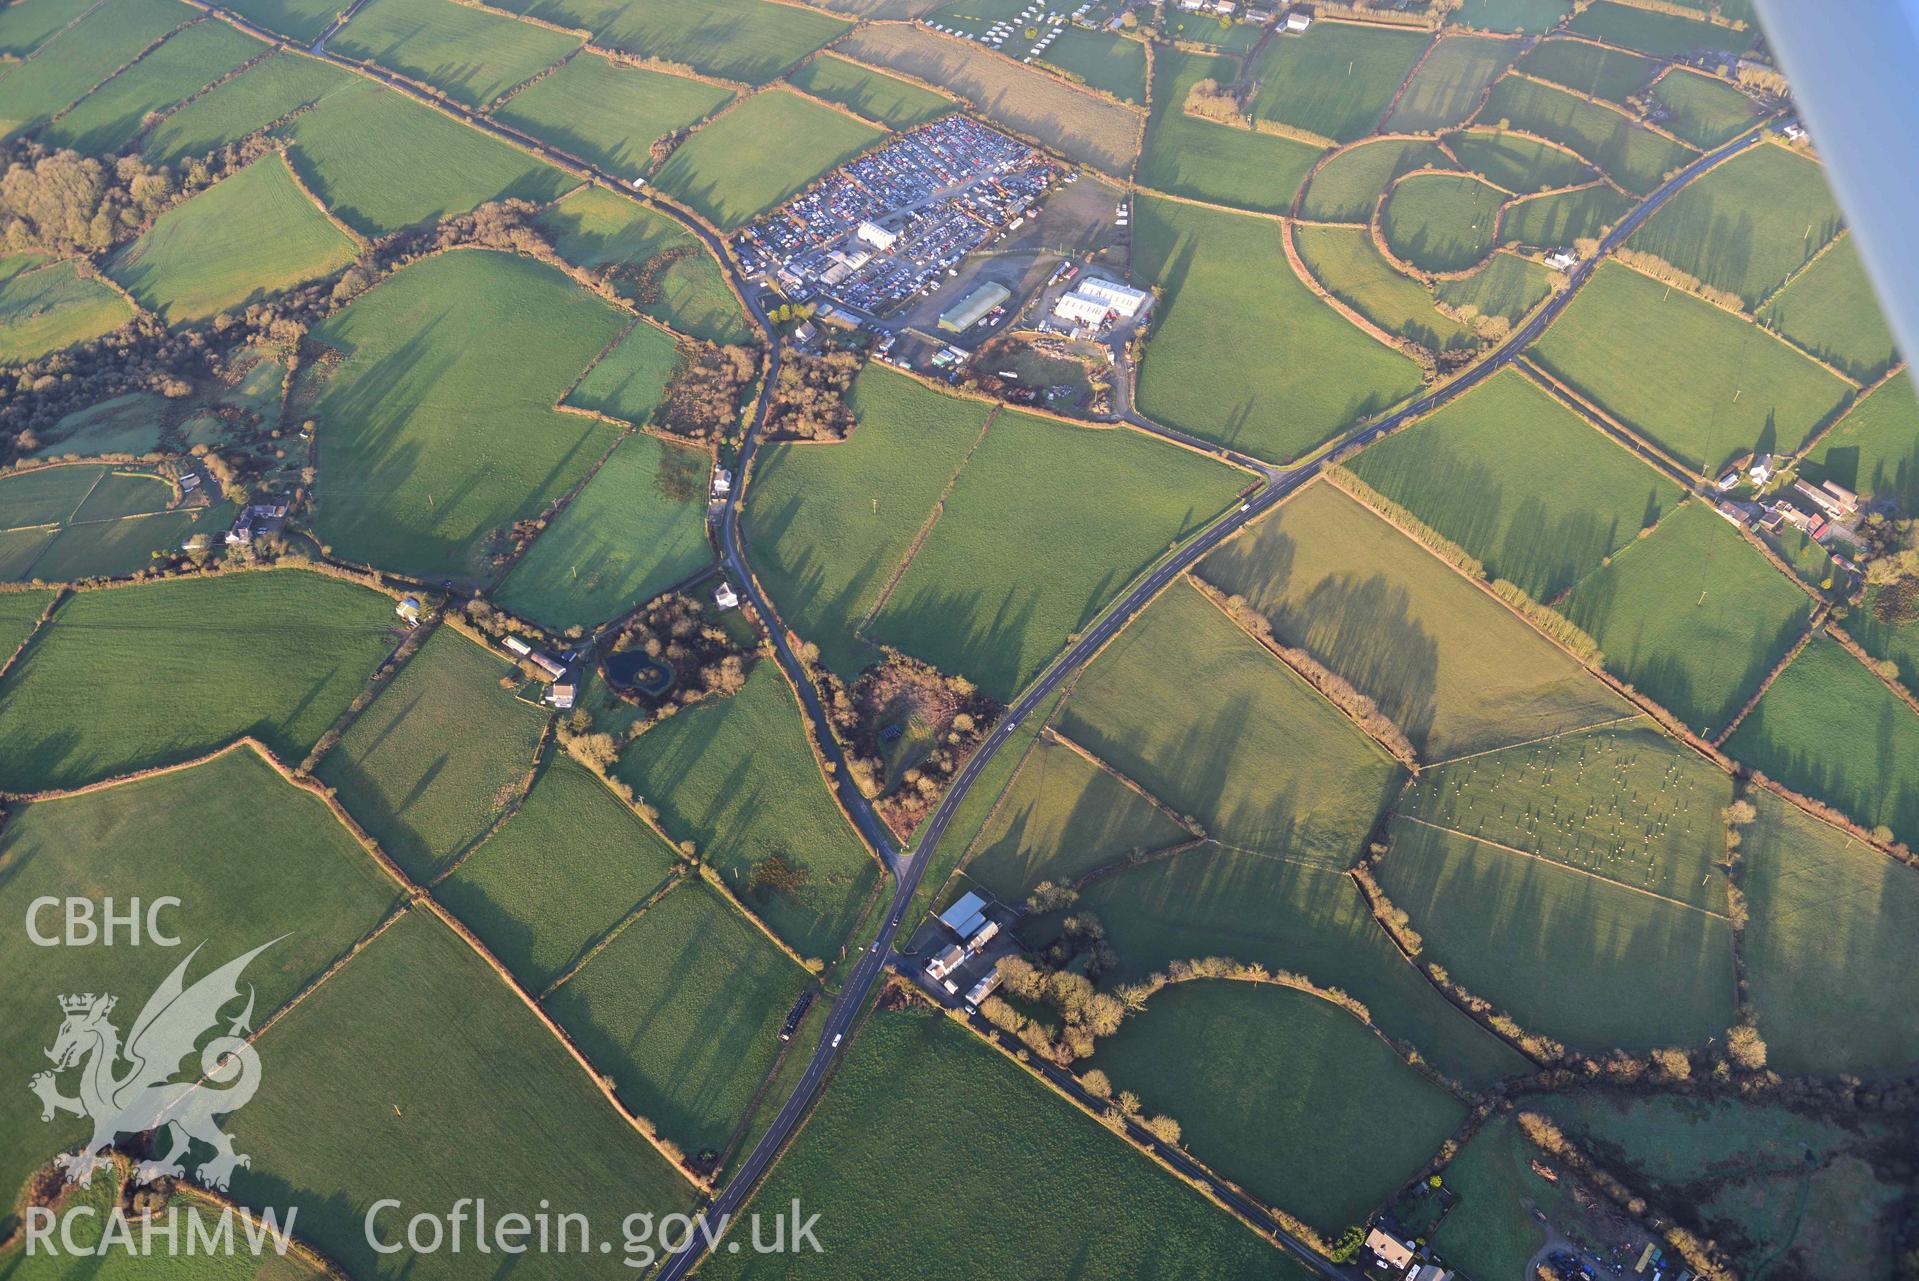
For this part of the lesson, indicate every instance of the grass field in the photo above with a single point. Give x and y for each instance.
(1348, 186)
(118, 548)
(1203, 717)
(25, 27)
(918, 1097)
(830, 523)
(255, 99)
(750, 40)
(1548, 222)
(1867, 774)
(149, 674)
(1335, 80)
(1519, 164)
(1590, 70)
(1108, 62)
(1440, 222)
(426, 166)
(1636, 157)
(202, 828)
(1748, 224)
(1349, 265)
(437, 426)
(1449, 82)
(1826, 946)
(1015, 563)
(415, 1046)
(1507, 286)
(737, 778)
(74, 522)
(609, 113)
(1702, 110)
(1692, 616)
(52, 307)
(1582, 959)
(1490, 1233)
(1060, 817)
(1288, 914)
(630, 380)
(758, 154)
(1081, 126)
(684, 1008)
(1531, 16)
(1873, 449)
(304, 20)
(1832, 311)
(636, 529)
(678, 282)
(1480, 472)
(468, 54)
(19, 615)
(1697, 381)
(106, 119)
(896, 103)
(1663, 35)
(1217, 364)
(569, 865)
(81, 56)
(215, 253)
(1452, 668)
(1206, 160)
(1258, 1077)
(437, 756)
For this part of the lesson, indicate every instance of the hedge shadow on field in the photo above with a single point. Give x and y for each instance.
(1827, 778)
(844, 652)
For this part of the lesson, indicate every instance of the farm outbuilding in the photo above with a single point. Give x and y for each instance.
(970, 310)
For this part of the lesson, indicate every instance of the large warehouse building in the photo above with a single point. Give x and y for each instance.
(970, 310)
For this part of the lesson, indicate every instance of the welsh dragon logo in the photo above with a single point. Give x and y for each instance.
(137, 1086)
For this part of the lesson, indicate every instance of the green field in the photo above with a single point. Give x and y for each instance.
(1518, 163)
(67, 523)
(829, 524)
(1482, 472)
(1826, 948)
(416, 1047)
(1512, 15)
(683, 1008)
(1697, 381)
(215, 252)
(1704, 111)
(19, 614)
(1874, 449)
(609, 113)
(1866, 774)
(118, 548)
(919, 1097)
(1452, 668)
(281, 83)
(81, 56)
(25, 27)
(1590, 70)
(1060, 817)
(1440, 222)
(438, 755)
(1336, 79)
(1348, 186)
(1692, 616)
(52, 307)
(1832, 311)
(304, 20)
(750, 40)
(630, 380)
(897, 103)
(1748, 224)
(736, 777)
(1663, 35)
(150, 674)
(1635, 157)
(636, 529)
(1508, 286)
(1491, 1233)
(426, 166)
(437, 426)
(678, 281)
(468, 54)
(1583, 959)
(569, 865)
(1206, 160)
(1449, 82)
(760, 153)
(109, 117)
(1349, 265)
(1258, 1076)
(1223, 361)
(201, 830)
(1015, 563)
(1202, 716)
(1288, 914)
(1106, 61)
(1549, 222)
